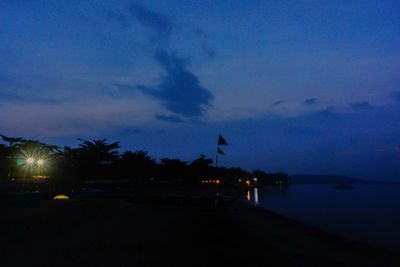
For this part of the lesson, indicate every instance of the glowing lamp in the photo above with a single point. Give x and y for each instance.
(30, 161)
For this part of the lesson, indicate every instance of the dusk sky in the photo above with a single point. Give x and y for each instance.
(295, 86)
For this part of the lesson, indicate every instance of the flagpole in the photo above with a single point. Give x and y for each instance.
(216, 157)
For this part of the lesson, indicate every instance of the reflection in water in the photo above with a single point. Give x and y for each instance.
(255, 196)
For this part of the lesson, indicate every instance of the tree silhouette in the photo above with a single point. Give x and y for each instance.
(92, 159)
(173, 169)
(99, 159)
(138, 166)
(10, 151)
(201, 168)
(12, 140)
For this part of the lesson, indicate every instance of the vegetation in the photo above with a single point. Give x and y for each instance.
(101, 160)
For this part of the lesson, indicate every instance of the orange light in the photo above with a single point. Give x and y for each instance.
(247, 182)
(217, 181)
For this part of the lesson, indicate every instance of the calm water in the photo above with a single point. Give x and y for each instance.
(369, 213)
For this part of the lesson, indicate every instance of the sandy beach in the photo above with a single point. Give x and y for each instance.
(122, 233)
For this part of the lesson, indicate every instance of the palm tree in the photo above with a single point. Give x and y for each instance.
(13, 142)
(92, 158)
(100, 150)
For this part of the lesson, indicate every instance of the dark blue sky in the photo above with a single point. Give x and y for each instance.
(295, 86)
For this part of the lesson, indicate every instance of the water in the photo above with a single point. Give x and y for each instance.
(368, 213)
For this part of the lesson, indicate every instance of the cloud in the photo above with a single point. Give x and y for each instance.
(131, 130)
(278, 103)
(179, 90)
(359, 106)
(87, 115)
(16, 98)
(311, 101)
(210, 52)
(172, 118)
(160, 26)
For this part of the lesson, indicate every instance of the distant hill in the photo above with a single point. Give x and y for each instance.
(325, 179)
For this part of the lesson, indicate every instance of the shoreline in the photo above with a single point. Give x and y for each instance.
(104, 232)
(315, 230)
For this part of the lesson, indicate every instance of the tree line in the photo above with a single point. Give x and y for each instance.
(103, 160)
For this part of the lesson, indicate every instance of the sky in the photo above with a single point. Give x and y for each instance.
(295, 86)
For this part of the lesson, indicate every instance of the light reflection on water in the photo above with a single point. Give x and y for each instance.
(248, 196)
(255, 196)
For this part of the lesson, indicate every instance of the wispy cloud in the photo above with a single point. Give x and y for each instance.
(171, 118)
(278, 103)
(159, 26)
(179, 90)
(209, 51)
(359, 106)
(16, 98)
(311, 101)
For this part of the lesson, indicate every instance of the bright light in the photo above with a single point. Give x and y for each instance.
(61, 197)
(30, 161)
(40, 162)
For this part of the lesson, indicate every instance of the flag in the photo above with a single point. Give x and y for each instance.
(222, 141)
(219, 151)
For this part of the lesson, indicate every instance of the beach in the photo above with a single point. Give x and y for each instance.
(116, 232)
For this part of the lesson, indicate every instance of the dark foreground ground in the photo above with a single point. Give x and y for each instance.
(121, 233)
